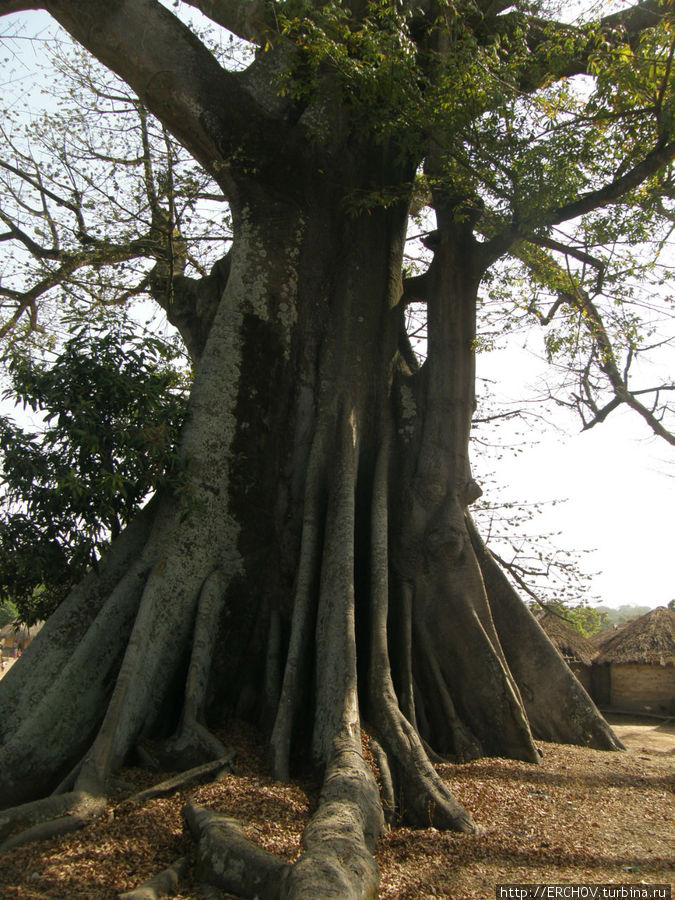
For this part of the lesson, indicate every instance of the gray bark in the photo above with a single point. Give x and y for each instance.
(339, 491)
(315, 567)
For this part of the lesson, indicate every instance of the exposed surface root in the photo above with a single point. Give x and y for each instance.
(465, 744)
(164, 884)
(340, 838)
(420, 795)
(227, 859)
(193, 743)
(190, 747)
(385, 780)
(558, 708)
(49, 818)
(422, 798)
(199, 773)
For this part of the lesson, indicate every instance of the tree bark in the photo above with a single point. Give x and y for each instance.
(314, 567)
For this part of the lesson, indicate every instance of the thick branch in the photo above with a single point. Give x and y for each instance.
(582, 43)
(174, 74)
(248, 19)
(659, 157)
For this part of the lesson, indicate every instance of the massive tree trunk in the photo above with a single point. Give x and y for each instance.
(315, 568)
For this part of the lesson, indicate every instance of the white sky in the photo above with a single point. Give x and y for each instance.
(618, 482)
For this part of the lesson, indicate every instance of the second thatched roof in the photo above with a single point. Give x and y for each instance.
(648, 640)
(566, 639)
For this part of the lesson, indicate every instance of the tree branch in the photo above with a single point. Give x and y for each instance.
(206, 107)
(660, 156)
(248, 19)
(103, 255)
(593, 320)
(627, 24)
(20, 235)
(550, 274)
(610, 193)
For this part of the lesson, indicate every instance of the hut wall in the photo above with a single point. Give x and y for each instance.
(643, 688)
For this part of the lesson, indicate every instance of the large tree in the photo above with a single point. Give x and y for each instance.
(316, 567)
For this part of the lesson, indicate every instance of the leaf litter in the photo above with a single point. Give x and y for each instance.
(581, 816)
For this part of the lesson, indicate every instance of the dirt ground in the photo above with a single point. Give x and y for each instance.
(581, 816)
(639, 733)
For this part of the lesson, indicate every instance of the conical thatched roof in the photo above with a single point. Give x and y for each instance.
(600, 638)
(649, 640)
(566, 639)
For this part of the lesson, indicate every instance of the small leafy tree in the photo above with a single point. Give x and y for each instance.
(587, 620)
(112, 404)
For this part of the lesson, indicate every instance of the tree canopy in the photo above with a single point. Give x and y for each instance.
(553, 136)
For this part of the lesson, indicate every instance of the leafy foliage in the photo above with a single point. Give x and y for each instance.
(112, 404)
(8, 612)
(587, 620)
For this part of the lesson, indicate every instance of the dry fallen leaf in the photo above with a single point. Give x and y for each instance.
(580, 816)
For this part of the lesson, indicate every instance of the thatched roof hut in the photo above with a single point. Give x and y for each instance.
(572, 645)
(648, 641)
(635, 669)
(600, 638)
(575, 649)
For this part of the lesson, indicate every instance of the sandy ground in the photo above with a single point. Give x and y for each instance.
(638, 733)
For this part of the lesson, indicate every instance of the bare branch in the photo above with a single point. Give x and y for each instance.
(35, 182)
(18, 234)
(206, 107)
(566, 250)
(103, 255)
(562, 283)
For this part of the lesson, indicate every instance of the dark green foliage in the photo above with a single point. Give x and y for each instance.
(112, 404)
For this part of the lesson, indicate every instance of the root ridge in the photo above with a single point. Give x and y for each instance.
(164, 884)
(199, 773)
(226, 858)
(48, 818)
